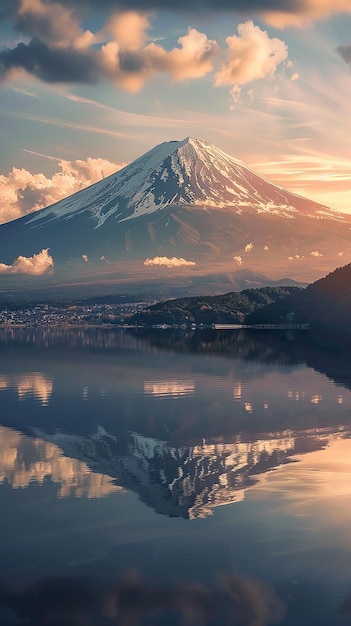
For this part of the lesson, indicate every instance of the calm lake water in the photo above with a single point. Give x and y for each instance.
(162, 477)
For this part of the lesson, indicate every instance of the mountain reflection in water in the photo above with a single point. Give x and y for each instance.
(186, 482)
(97, 423)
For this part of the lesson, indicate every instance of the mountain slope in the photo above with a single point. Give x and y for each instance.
(184, 199)
(326, 302)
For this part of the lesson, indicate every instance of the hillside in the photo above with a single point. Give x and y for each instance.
(230, 308)
(326, 302)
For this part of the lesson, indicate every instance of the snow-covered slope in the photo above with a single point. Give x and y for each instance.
(187, 481)
(189, 200)
(188, 172)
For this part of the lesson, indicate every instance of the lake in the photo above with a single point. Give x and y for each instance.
(173, 477)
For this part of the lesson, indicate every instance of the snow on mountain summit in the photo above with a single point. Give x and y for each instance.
(186, 200)
(175, 173)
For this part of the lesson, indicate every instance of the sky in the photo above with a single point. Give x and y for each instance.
(86, 87)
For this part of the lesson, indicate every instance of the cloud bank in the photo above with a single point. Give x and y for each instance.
(280, 14)
(22, 192)
(35, 265)
(169, 262)
(58, 49)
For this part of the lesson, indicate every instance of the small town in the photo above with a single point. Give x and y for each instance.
(43, 315)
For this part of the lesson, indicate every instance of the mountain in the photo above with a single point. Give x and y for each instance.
(190, 206)
(186, 481)
(326, 303)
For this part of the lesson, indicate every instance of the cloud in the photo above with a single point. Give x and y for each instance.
(22, 192)
(50, 64)
(316, 253)
(35, 265)
(300, 12)
(59, 51)
(129, 29)
(131, 67)
(169, 262)
(345, 53)
(235, 599)
(52, 23)
(251, 55)
(248, 247)
(297, 257)
(238, 260)
(280, 14)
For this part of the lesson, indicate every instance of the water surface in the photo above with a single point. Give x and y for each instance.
(171, 477)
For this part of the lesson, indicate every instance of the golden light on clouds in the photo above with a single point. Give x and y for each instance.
(25, 461)
(168, 261)
(35, 265)
(35, 384)
(173, 388)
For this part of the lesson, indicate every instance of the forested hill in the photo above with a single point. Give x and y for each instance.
(326, 302)
(230, 308)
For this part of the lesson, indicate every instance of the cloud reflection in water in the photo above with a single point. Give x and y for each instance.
(25, 460)
(236, 600)
(35, 384)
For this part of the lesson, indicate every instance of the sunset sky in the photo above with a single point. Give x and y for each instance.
(88, 86)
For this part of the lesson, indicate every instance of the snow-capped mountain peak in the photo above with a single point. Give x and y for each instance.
(175, 173)
(185, 199)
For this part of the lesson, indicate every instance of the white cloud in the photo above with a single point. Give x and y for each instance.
(250, 55)
(23, 192)
(35, 265)
(316, 253)
(169, 262)
(238, 260)
(297, 257)
(248, 247)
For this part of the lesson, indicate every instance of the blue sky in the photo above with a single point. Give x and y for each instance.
(87, 86)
